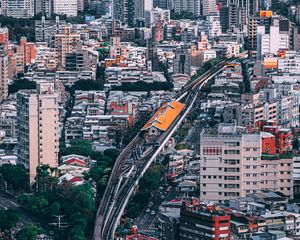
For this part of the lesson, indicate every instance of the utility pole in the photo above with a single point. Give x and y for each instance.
(59, 223)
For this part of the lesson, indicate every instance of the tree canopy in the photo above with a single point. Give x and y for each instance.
(16, 176)
(143, 86)
(19, 27)
(21, 84)
(29, 232)
(8, 219)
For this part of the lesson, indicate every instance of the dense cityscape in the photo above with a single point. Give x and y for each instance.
(149, 119)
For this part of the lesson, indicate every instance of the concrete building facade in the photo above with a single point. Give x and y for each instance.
(37, 128)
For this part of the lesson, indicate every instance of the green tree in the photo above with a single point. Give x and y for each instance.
(46, 182)
(103, 53)
(8, 219)
(111, 153)
(28, 233)
(19, 27)
(80, 147)
(21, 84)
(143, 86)
(16, 176)
(296, 144)
(87, 85)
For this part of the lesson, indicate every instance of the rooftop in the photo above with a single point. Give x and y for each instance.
(164, 116)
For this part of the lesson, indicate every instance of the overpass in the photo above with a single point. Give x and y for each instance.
(126, 174)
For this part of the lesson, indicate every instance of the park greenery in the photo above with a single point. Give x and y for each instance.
(76, 203)
(280, 7)
(20, 85)
(104, 161)
(143, 86)
(8, 219)
(14, 177)
(29, 232)
(19, 28)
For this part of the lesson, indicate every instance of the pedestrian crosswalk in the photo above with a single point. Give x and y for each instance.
(148, 231)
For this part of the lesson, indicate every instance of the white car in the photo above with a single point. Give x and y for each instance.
(152, 212)
(147, 210)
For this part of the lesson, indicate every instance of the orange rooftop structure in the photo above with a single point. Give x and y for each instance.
(164, 117)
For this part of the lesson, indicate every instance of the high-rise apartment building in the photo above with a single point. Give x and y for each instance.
(18, 8)
(182, 61)
(188, 6)
(45, 30)
(237, 13)
(253, 25)
(44, 7)
(157, 15)
(3, 76)
(65, 7)
(131, 12)
(163, 4)
(80, 5)
(78, 60)
(273, 42)
(66, 42)
(235, 163)
(3, 63)
(209, 7)
(120, 10)
(37, 131)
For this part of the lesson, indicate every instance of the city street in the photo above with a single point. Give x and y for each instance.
(146, 222)
(8, 202)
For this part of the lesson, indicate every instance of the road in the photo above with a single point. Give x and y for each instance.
(146, 222)
(9, 202)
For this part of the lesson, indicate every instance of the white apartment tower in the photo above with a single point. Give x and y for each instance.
(272, 42)
(65, 7)
(209, 7)
(37, 121)
(18, 8)
(189, 6)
